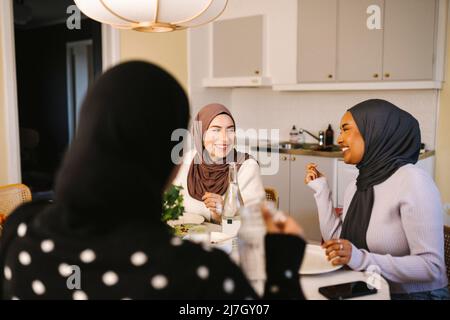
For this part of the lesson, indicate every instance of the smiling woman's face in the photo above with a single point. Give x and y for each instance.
(220, 136)
(350, 140)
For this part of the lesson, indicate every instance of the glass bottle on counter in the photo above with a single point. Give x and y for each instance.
(301, 136)
(231, 220)
(329, 136)
(293, 135)
(321, 140)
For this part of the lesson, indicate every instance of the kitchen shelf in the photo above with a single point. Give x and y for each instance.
(352, 86)
(237, 82)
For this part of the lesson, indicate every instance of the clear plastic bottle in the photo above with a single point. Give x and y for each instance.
(293, 135)
(251, 246)
(301, 137)
(232, 203)
(321, 139)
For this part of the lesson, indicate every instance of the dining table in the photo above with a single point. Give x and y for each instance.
(310, 283)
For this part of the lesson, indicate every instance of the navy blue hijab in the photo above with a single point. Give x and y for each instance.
(392, 139)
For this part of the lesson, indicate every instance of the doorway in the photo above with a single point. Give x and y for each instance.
(110, 55)
(54, 67)
(80, 74)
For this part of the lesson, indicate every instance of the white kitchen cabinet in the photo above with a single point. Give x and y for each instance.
(317, 40)
(402, 49)
(303, 206)
(360, 50)
(409, 39)
(275, 174)
(237, 50)
(406, 51)
(238, 47)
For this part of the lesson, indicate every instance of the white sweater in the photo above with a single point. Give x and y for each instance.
(405, 233)
(249, 180)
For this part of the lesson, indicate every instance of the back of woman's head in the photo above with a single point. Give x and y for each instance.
(120, 160)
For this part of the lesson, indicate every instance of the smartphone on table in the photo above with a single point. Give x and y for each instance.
(347, 290)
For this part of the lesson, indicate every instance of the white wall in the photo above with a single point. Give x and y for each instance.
(169, 50)
(267, 109)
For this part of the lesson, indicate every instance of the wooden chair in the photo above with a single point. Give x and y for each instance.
(11, 196)
(447, 250)
(272, 195)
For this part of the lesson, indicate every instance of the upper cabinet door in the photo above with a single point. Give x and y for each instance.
(360, 48)
(238, 47)
(409, 39)
(317, 40)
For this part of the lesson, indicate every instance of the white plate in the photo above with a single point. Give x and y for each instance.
(225, 243)
(187, 218)
(315, 261)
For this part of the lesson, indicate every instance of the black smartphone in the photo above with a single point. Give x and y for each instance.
(347, 290)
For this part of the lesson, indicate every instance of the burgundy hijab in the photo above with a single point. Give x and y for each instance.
(205, 175)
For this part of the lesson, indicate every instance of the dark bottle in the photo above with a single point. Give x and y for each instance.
(329, 136)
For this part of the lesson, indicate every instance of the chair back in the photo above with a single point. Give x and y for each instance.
(12, 196)
(272, 195)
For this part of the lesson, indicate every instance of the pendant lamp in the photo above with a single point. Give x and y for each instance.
(152, 15)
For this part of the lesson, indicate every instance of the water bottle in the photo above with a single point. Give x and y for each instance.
(251, 246)
(231, 220)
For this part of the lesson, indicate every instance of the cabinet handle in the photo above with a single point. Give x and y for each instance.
(257, 72)
(284, 158)
(293, 158)
(330, 76)
(387, 75)
(375, 75)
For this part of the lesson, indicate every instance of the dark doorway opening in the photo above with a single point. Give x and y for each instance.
(55, 65)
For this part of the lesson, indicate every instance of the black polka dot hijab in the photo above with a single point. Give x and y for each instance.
(392, 139)
(118, 164)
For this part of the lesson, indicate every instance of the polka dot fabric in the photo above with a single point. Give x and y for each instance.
(143, 263)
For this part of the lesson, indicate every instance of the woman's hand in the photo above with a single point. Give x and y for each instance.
(280, 223)
(214, 203)
(339, 251)
(312, 173)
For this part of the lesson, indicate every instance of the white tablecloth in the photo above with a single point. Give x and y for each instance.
(311, 284)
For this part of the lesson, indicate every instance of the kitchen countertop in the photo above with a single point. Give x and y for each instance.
(326, 154)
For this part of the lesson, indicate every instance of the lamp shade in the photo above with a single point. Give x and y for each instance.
(152, 15)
